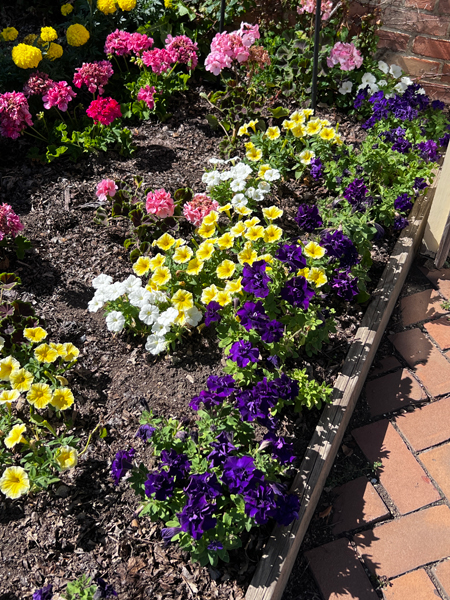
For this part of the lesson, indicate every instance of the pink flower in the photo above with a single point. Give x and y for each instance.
(309, 6)
(226, 47)
(94, 75)
(104, 110)
(160, 204)
(14, 114)
(249, 34)
(38, 84)
(118, 43)
(158, 59)
(146, 94)
(106, 188)
(138, 42)
(60, 94)
(197, 209)
(183, 49)
(216, 61)
(345, 55)
(9, 222)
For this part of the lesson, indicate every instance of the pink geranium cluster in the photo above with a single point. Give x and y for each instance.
(106, 188)
(183, 49)
(345, 55)
(227, 47)
(147, 95)
(104, 110)
(38, 84)
(160, 204)
(9, 222)
(94, 75)
(60, 94)
(197, 209)
(14, 114)
(309, 6)
(122, 43)
(159, 59)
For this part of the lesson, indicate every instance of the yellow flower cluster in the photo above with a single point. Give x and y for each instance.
(54, 51)
(107, 7)
(77, 35)
(315, 275)
(9, 34)
(126, 4)
(66, 9)
(48, 34)
(26, 57)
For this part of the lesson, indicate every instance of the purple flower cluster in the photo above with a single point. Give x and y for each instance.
(253, 316)
(308, 218)
(345, 286)
(162, 483)
(45, 593)
(104, 590)
(212, 314)
(397, 138)
(356, 195)
(316, 168)
(403, 203)
(341, 247)
(243, 353)
(218, 389)
(222, 449)
(400, 223)
(145, 432)
(420, 183)
(428, 150)
(291, 256)
(297, 292)
(122, 464)
(254, 279)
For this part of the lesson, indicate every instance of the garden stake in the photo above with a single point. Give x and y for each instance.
(222, 15)
(316, 54)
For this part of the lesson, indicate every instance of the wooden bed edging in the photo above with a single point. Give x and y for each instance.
(281, 550)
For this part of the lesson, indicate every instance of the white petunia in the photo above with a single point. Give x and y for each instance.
(112, 292)
(258, 196)
(157, 296)
(193, 316)
(396, 71)
(139, 297)
(368, 78)
(239, 200)
(233, 159)
(272, 175)
(212, 178)
(421, 91)
(383, 66)
(406, 80)
(115, 321)
(346, 87)
(382, 83)
(131, 283)
(155, 344)
(159, 329)
(264, 187)
(102, 280)
(238, 185)
(148, 314)
(2, 342)
(373, 87)
(216, 161)
(96, 303)
(400, 87)
(241, 171)
(168, 316)
(225, 176)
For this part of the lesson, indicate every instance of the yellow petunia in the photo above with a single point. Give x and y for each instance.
(211, 218)
(39, 395)
(15, 436)
(317, 277)
(157, 261)
(313, 250)
(226, 241)
(308, 112)
(251, 222)
(303, 272)
(306, 156)
(243, 211)
(254, 233)
(62, 398)
(14, 482)
(194, 266)
(338, 140)
(298, 117)
(263, 170)
(299, 131)
(226, 269)
(165, 242)
(325, 122)
(272, 234)
(272, 213)
(8, 366)
(238, 229)
(226, 209)
(254, 154)
(273, 133)
(66, 457)
(313, 127)
(182, 300)
(209, 294)
(223, 297)
(234, 286)
(288, 124)
(182, 255)
(205, 251)
(142, 266)
(71, 352)
(34, 334)
(206, 231)
(268, 258)
(247, 256)
(161, 276)
(243, 130)
(327, 133)
(21, 380)
(252, 124)
(8, 396)
(45, 353)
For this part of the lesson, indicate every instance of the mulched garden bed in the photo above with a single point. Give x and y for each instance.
(85, 524)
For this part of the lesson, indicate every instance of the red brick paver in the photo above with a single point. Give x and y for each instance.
(387, 363)
(338, 572)
(357, 503)
(442, 572)
(393, 391)
(412, 586)
(420, 307)
(435, 374)
(426, 426)
(403, 545)
(401, 475)
(441, 279)
(437, 463)
(413, 345)
(440, 332)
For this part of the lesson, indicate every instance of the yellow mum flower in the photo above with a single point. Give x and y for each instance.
(107, 7)
(39, 395)
(234, 286)
(226, 269)
(182, 300)
(62, 398)
(327, 133)
(248, 255)
(9, 34)
(273, 133)
(263, 169)
(142, 266)
(182, 255)
(272, 234)
(66, 457)
(45, 354)
(126, 4)
(253, 125)
(226, 241)
(8, 366)
(26, 57)
(303, 272)
(298, 117)
(306, 156)
(288, 124)
(243, 130)
(299, 131)
(205, 251)
(313, 250)
(48, 34)
(243, 211)
(35, 334)
(254, 233)
(238, 229)
(206, 231)
(251, 222)
(223, 297)
(14, 482)
(254, 154)
(194, 266)
(157, 261)
(55, 51)
(8, 396)
(30, 39)
(15, 436)
(168, 3)
(209, 294)
(313, 127)
(161, 276)
(77, 35)
(66, 9)
(272, 213)
(165, 242)
(317, 277)
(211, 218)
(71, 352)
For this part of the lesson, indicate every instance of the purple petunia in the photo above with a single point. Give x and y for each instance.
(122, 464)
(281, 450)
(356, 194)
(260, 503)
(344, 286)
(292, 256)
(162, 484)
(403, 203)
(222, 449)
(205, 484)
(400, 223)
(243, 353)
(145, 432)
(218, 389)
(428, 150)
(45, 593)
(212, 313)
(197, 516)
(239, 474)
(287, 509)
(215, 545)
(297, 292)
(179, 465)
(316, 168)
(252, 315)
(254, 279)
(308, 218)
(104, 590)
(420, 183)
(340, 246)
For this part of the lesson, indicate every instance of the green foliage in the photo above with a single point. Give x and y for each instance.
(15, 315)
(80, 589)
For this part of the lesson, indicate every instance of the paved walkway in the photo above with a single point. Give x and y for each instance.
(397, 532)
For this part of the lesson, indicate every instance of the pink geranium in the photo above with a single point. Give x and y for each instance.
(227, 47)
(160, 204)
(106, 188)
(118, 43)
(309, 6)
(346, 56)
(9, 222)
(59, 95)
(104, 110)
(38, 84)
(147, 95)
(183, 49)
(93, 75)
(197, 209)
(159, 59)
(14, 114)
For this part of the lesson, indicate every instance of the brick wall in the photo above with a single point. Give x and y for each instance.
(415, 35)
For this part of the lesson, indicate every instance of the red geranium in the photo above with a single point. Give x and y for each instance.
(104, 110)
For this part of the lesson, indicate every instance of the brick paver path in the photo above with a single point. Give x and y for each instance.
(398, 532)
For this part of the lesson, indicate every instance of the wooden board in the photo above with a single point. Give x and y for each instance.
(281, 550)
(438, 227)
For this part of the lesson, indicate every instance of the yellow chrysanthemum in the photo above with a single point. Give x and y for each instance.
(299, 131)
(206, 231)
(71, 352)
(209, 294)
(226, 269)
(223, 297)
(77, 35)
(263, 170)
(248, 255)
(39, 395)
(8, 396)
(34, 334)
(142, 266)
(226, 241)
(66, 457)
(205, 251)
(26, 57)
(317, 277)
(66, 9)
(211, 218)
(243, 211)
(107, 7)
(55, 51)
(238, 229)
(165, 242)
(15, 436)
(182, 255)
(252, 124)
(168, 3)
(303, 272)
(254, 154)
(327, 133)
(254, 233)
(14, 482)
(272, 234)
(313, 127)
(313, 250)
(9, 34)
(306, 156)
(182, 300)
(243, 130)
(30, 39)
(8, 366)
(45, 354)
(161, 276)
(273, 133)
(251, 222)
(272, 213)
(157, 261)
(298, 117)
(234, 286)
(126, 4)
(194, 266)
(48, 34)
(288, 124)
(62, 398)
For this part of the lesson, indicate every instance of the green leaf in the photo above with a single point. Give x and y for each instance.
(103, 433)
(213, 122)
(279, 112)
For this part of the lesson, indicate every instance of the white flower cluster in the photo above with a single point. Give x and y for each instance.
(238, 176)
(369, 80)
